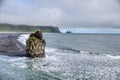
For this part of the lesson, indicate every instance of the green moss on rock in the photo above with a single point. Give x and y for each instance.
(43, 40)
(32, 38)
(35, 45)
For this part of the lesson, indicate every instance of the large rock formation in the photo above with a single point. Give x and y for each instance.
(35, 45)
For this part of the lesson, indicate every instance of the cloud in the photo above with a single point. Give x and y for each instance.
(72, 13)
(1, 2)
(19, 12)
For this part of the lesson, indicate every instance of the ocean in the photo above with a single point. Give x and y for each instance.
(68, 57)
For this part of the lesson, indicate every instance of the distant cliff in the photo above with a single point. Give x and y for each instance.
(28, 28)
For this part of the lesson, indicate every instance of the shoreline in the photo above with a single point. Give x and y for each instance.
(10, 46)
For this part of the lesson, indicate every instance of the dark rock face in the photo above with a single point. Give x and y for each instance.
(35, 45)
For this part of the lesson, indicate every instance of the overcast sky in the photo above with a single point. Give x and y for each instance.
(62, 13)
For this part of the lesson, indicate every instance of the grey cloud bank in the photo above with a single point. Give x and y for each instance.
(62, 13)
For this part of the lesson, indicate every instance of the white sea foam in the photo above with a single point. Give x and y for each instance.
(84, 52)
(20, 65)
(16, 59)
(11, 59)
(113, 57)
(18, 62)
(49, 49)
(22, 38)
(4, 58)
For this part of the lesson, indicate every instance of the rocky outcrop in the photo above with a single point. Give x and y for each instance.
(35, 45)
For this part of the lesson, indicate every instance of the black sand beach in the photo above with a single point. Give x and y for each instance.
(10, 46)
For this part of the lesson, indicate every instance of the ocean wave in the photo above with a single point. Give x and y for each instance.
(69, 49)
(113, 57)
(22, 38)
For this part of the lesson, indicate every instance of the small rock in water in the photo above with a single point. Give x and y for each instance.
(35, 45)
(90, 53)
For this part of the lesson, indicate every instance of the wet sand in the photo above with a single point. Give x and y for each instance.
(10, 46)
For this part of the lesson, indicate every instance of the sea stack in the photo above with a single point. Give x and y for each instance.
(35, 45)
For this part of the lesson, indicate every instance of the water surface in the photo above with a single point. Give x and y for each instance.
(68, 57)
